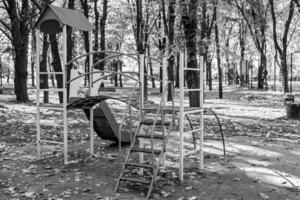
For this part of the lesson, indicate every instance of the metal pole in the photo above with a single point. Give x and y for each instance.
(291, 79)
(181, 117)
(275, 71)
(1, 71)
(251, 76)
(201, 60)
(65, 131)
(37, 64)
(90, 89)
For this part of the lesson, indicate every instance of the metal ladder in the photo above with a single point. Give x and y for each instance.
(184, 111)
(156, 155)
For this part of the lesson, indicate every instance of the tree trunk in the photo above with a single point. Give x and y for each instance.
(189, 19)
(85, 7)
(20, 29)
(150, 67)
(177, 70)
(33, 52)
(56, 63)
(171, 23)
(21, 73)
(102, 33)
(242, 33)
(218, 58)
(44, 84)
(262, 68)
(70, 46)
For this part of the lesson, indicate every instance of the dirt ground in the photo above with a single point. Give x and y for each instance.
(261, 161)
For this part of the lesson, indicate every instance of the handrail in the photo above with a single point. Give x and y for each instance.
(161, 105)
(128, 109)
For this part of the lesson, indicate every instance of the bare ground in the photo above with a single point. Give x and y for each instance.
(261, 162)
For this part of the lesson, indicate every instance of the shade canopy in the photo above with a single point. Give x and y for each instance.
(54, 18)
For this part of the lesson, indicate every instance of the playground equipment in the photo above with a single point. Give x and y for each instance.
(149, 132)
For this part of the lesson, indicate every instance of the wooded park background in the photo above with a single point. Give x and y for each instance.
(229, 34)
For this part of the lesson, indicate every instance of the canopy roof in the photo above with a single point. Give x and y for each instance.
(53, 18)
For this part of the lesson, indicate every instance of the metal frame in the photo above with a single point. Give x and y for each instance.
(60, 107)
(183, 112)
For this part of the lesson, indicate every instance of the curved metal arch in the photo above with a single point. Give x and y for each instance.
(96, 72)
(219, 124)
(118, 99)
(108, 58)
(153, 58)
(97, 52)
(220, 128)
(120, 73)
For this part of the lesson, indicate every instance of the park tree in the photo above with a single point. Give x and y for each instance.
(17, 26)
(218, 49)
(207, 22)
(169, 24)
(188, 11)
(281, 41)
(255, 15)
(143, 18)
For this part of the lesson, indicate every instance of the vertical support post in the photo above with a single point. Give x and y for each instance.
(90, 60)
(201, 60)
(275, 70)
(291, 80)
(142, 62)
(181, 113)
(90, 90)
(164, 83)
(91, 132)
(65, 120)
(37, 64)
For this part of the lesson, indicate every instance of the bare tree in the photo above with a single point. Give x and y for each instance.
(189, 20)
(17, 30)
(282, 49)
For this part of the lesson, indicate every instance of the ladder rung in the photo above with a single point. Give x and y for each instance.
(52, 89)
(137, 180)
(51, 142)
(192, 89)
(192, 69)
(143, 150)
(51, 124)
(193, 130)
(158, 122)
(155, 136)
(54, 73)
(139, 165)
(51, 106)
(192, 110)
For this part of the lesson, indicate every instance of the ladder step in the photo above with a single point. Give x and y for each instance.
(51, 106)
(51, 142)
(155, 136)
(51, 124)
(54, 73)
(52, 89)
(192, 69)
(143, 150)
(158, 122)
(193, 110)
(192, 89)
(139, 165)
(137, 180)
